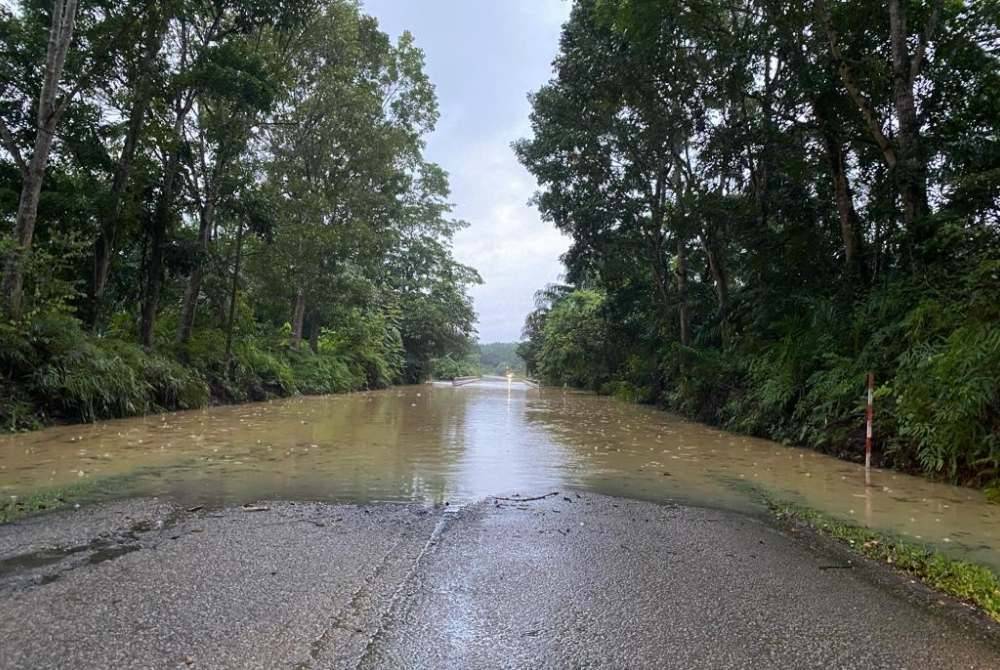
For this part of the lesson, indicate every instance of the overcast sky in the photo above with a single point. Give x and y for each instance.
(484, 56)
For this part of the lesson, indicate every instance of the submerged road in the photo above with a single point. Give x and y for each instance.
(567, 581)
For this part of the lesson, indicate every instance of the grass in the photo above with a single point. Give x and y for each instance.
(969, 582)
(13, 508)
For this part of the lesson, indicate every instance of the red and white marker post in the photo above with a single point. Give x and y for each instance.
(869, 416)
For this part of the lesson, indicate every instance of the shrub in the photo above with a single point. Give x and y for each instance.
(322, 373)
(171, 385)
(447, 368)
(88, 383)
(947, 402)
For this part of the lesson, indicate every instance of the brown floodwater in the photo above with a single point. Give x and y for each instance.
(437, 443)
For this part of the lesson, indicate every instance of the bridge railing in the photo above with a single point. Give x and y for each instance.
(461, 381)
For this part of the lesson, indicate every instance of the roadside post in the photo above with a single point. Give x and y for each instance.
(869, 416)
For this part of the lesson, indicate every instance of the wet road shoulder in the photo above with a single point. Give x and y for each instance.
(568, 580)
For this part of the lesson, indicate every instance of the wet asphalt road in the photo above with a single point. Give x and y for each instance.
(563, 582)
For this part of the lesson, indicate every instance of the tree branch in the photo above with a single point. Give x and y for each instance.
(847, 77)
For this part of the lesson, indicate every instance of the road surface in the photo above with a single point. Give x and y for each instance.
(567, 581)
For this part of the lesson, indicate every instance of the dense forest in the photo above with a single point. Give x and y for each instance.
(767, 200)
(216, 200)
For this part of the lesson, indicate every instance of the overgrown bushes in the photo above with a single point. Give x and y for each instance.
(52, 371)
(448, 368)
(935, 355)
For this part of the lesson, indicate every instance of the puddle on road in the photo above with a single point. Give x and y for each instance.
(434, 443)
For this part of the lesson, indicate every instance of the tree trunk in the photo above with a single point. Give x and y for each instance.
(314, 337)
(661, 274)
(718, 271)
(654, 237)
(682, 305)
(50, 110)
(850, 223)
(193, 289)
(298, 318)
(24, 229)
(911, 173)
(158, 235)
(232, 295)
(190, 304)
(106, 243)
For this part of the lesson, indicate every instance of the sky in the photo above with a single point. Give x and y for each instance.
(484, 57)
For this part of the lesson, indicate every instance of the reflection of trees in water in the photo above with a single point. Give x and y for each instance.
(385, 445)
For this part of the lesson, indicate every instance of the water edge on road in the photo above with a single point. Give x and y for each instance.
(436, 443)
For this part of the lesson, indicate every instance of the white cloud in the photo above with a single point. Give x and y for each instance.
(514, 250)
(484, 56)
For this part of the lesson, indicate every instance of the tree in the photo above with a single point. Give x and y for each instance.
(140, 73)
(52, 103)
(903, 154)
(797, 187)
(230, 180)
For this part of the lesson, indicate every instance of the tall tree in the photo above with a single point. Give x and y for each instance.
(52, 103)
(140, 75)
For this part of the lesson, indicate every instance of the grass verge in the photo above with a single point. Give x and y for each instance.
(969, 582)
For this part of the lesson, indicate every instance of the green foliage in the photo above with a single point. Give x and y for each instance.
(370, 344)
(947, 402)
(55, 371)
(448, 368)
(759, 243)
(52, 371)
(574, 341)
(323, 373)
(170, 385)
(258, 373)
(85, 383)
(496, 358)
(249, 200)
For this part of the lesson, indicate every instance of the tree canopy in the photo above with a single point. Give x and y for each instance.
(234, 191)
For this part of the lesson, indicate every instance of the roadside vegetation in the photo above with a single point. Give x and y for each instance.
(216, 202)
(766, 202)
(50, 499)
(492, 358)
(971, 583)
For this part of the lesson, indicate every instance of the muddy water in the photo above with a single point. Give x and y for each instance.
(439, 443)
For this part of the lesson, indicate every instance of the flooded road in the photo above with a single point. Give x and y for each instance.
(437, 443)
